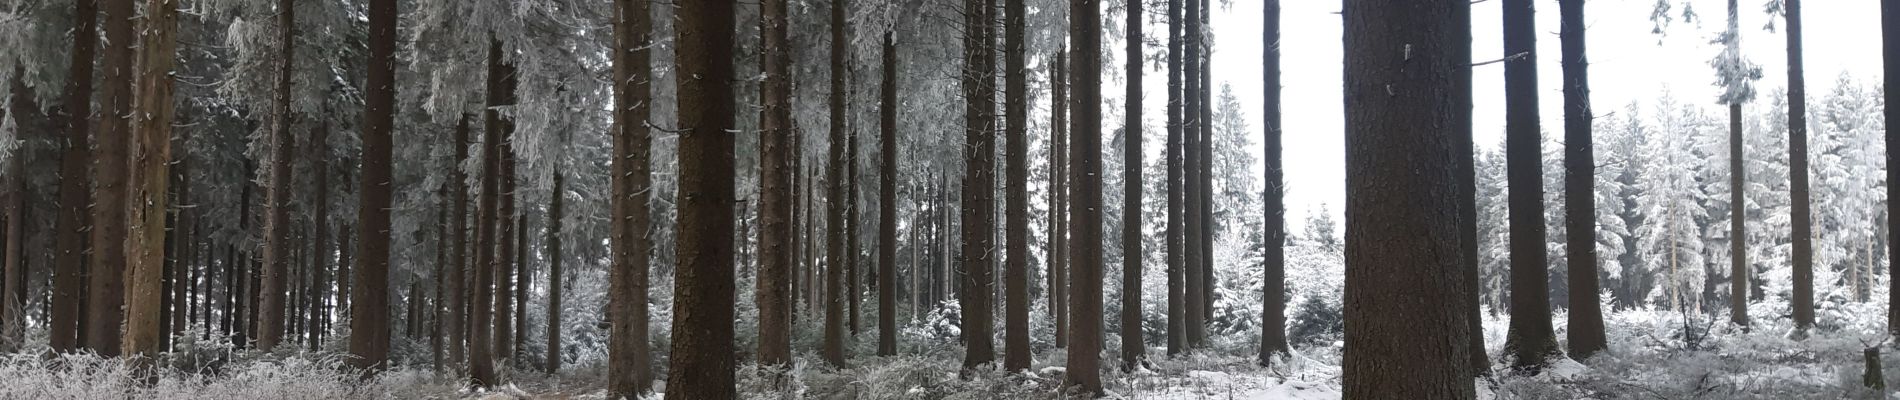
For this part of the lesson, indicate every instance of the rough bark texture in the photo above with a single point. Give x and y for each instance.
(556, 281)
(775, 197)
(1016, 351)
(1059, 210)
(1890, 64)
(979, 182)
(837, 204)
(1403, 284)
(1464, 153)
(1194, 298)
(1085, 343)
(1273, 273)
(277, 197)
(106, 280)
(1533, 340)
(887, 207)
(369, 322)
(703, 361)
(1586, 313)
(1797, 179)
(145, 247)
(1177, 289)
(629, 366)
(71, 221)
(481, 345)
(1134, 347)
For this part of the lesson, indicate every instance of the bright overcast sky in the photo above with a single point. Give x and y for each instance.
(1628, 63)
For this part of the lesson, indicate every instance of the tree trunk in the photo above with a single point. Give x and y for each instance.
(629, 366)
(1403, 284)
(1534, 340)
(1016, 351)
(1059, 209)
(524, 282)
(979, 183)
(144, 248)
(1205, 50)
(852, 292)
(1890, 64)
(1195, 300)
(107, 278)
(74, 185)
(320, 166)
(776, 172)
(1273, 272)
(837, 204)
(13, 286)
(481, 344)
(1134, 347)
(456, 293)
(277, 220)
(503, 94)
(182, 241)
(703, 362)
(1464, 153)
(887, 206)
(1798, 180)
(1586, 313)
(369, 324)
(1085, 341)
(555, 277)
(1177, 290)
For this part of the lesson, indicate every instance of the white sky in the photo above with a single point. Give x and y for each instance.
(1629, 63)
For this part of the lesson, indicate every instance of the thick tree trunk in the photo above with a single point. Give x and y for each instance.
(277, 199)
(556, 280)
(1273, 271)
(1016, 351)
(1059, 209)
(1797, 178)
(629, 365)
(979, 183)
(703, 362)
(776, 250)
(369, 321)
(1403, 285)
(481, 345)
(887, 206)
(1194, 311)
(1134, 346)
(1085, 342)
(1464, 153)
(144, 248)
(503, 94)
(1586, 313)
(75, 195)
(1176, 228)
(456, 294)
(1534, 340)
(837, 202)
(106, 283)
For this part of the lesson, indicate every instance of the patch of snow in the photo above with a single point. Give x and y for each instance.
(1294, 390)
(1053, 370)
(1564, 369)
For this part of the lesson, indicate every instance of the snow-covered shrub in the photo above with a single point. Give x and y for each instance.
(1316, 321)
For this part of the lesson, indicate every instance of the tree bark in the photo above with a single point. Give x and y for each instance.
(979, 183)
(629, 366)
(1205, 190)
(1890, 64)
(369, 322)
(1403, 285)
(277, 199)
(1464, 152)
(1534, 340)
(1084, 363)
(1134, 347)
(1273, 272)
(107, 265)
(887, 207)
(74, 185)
(502, 94)
(556, 278)
(149, 190)
(1194, 273)
(703, 362)
(1586, 313)
(776, 250)
(1798, 180)
(481, 344)
(13, 284)
(837, 202)
(1059, 175)
(1016, 351)
(455, 293)
(1176, 228)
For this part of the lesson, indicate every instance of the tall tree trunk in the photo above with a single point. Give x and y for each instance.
(776, 250)
(555, 278)
(1464, 154)
(1533, 341)
(1890, 64)
(1195, 300)
(1586, 313)
(13, 286)
(149, 190)
(703, 363)
(481, 345)
(979, 183)
(1059, 175)
(75, 181)
(852, 292)
(181, 241)
(629, 366)
(1273, 270)
(1016, 351)
(277, 220)
(1134, 344)
(503, 94)
(1205, 50)
(524, 281)
(1176, 228)
(107, 279)
(320, 166)
(456, 293)
(1797, 178)
(1085, 341)
(887, 206)
(369, 321)
(1403, 285)
(837, 204)
(238, 278)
